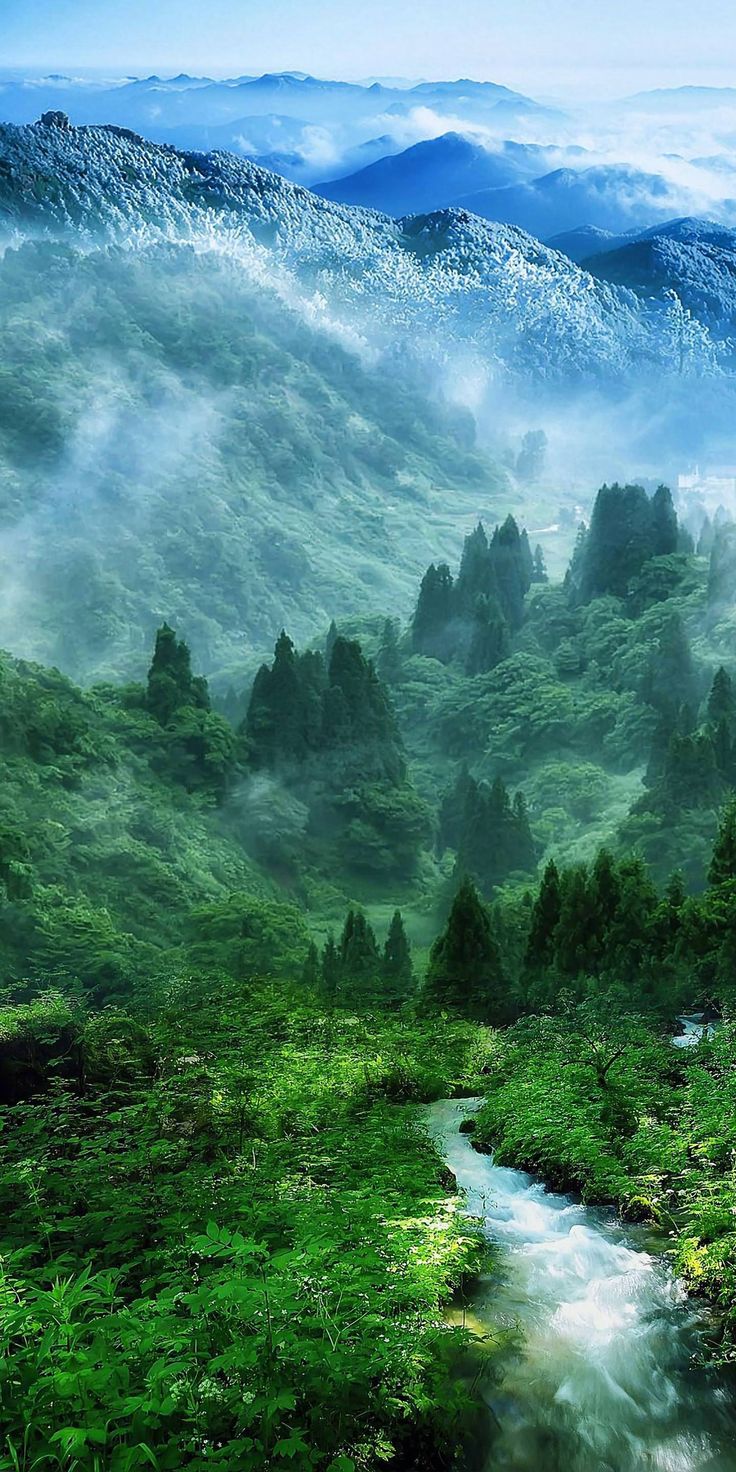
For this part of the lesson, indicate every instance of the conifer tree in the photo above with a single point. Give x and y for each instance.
(512, 576)
(396, 968)
(330, 969)
(690, 778)
(171, 685)
(332, 634)
(671, 680)
(489, 642)
(544, 922)
(722, 572)
(475, 579)
(706, 538)
(527, 559)
(539, 570)
(576, 923)
(434, 613)
(722, 700)
(358, 957)
(723, 863)
(664, 535)
(465, 973)
(453, 809)
(311, 970)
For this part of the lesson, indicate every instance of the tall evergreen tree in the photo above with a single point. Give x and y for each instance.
(171, 684)
(430, 630)
(671, 679)
(512, 574)
(453, 808)
(706, 538)
(495, 836)
(722, 572)
(359, 959)
(489, 641)
(330, 969)
(475, 579)
(626, 530)
(544, 921)
(465, 973)
(396, 968)
(527, 559)
(576, 923)
(311, 970)
(723, 863)
(539, 570)
(664, 535)
(722, 700)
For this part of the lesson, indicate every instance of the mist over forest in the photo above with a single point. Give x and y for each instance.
(368, 745)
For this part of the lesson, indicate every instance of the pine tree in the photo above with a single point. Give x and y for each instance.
(723, 863)
(706, 538)
(434, 613)
(330, 969)
(475, 579)
(690, 778)
(539, 571)
(453, 809)
(664, 537)
(359, 959)
(332, 634)
(544, 922)
(722, 572)
(722, 700)
(527, 559)
(284, 719)
(171, 685)
(512, 576)
(605, 887)
(671, 679)
(489, 642)
(576, 924)
(626, 530)
(465, 972)
(396, 967)
(311, 971)
(357, 715)
(495, 836)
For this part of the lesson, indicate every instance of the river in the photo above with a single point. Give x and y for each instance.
(601, 1377)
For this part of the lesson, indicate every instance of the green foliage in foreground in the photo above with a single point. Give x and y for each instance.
(594, 1101)
(227, 1247)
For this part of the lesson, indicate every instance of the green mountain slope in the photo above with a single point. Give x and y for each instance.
(176, 443)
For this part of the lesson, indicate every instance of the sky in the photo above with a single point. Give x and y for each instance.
(583, 46)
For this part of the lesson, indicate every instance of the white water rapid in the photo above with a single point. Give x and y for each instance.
(603, 1378)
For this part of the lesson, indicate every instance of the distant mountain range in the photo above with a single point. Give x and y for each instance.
(694, 258)
(153, 103)
(432, 174)
(614, 198)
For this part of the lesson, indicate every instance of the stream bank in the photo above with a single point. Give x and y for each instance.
(597, 1370)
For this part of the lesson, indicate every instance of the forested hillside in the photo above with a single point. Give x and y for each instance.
(244, 937)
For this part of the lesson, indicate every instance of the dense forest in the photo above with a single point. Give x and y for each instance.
(251, 928)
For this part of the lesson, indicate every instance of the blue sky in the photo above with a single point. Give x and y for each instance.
(544, 44)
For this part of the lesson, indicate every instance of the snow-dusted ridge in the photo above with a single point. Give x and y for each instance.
(439, 282)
